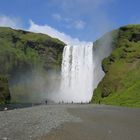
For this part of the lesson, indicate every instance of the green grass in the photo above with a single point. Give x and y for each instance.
(129, 92)
(121, 84)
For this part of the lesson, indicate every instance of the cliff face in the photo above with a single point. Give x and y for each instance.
(4, 91)
(22, 52)
(121, 83)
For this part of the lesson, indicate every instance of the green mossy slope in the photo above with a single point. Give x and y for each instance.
(121, 84)
(22, 52)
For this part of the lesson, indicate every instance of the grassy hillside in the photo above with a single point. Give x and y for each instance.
(21, 52)
(121, 84)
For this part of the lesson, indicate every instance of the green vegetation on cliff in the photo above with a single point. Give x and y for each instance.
(121, 83)
(4, 91)
(21, 52)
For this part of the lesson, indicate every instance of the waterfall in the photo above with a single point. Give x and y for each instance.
(77, 73)
(81, 71)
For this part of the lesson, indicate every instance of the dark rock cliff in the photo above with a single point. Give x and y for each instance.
(4, 91)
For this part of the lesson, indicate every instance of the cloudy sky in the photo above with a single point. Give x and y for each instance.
(69, 20)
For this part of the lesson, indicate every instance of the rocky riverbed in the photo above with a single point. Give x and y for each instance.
(29, 123)
(70, 122)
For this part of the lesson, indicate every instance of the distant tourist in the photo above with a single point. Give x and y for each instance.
(5, 109)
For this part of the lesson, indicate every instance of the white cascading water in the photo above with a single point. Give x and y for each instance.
(77, 73)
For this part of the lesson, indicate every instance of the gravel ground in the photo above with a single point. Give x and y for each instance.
(30, 123)
(99, 122)
(70, 122)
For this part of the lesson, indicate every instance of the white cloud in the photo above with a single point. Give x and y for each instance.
(80, 6)
(79, 24)
(6, 21)
(57, 17)
(70, 23)
(15, 23)
(54, 33)
(67, 19)
(94, 12)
